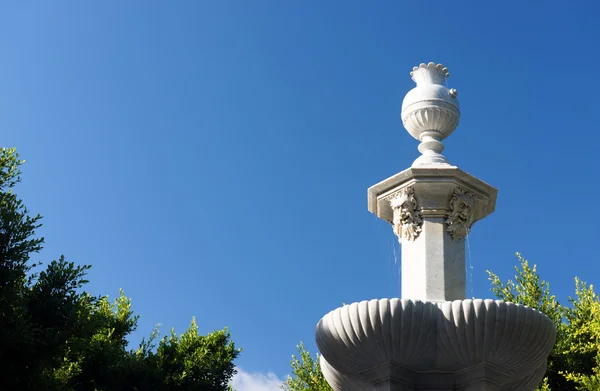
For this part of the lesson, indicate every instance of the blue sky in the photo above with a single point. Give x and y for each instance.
(212, 158)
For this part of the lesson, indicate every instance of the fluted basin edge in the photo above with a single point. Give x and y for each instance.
(364, 340)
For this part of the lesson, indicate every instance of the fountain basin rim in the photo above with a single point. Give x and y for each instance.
(438, 336)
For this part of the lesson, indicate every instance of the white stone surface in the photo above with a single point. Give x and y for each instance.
(432, 210)
(430, 112)
(394, 344)
(339, 381)
(433, 267)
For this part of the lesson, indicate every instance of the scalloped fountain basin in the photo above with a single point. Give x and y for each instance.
(367, 341)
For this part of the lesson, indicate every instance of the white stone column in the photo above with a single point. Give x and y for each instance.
(433, 265)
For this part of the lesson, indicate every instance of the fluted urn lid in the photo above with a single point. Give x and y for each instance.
(429, 74)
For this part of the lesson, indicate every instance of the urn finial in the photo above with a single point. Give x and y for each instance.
(430, 112)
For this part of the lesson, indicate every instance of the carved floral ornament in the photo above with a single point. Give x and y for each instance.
(460, 216)
(407, 220)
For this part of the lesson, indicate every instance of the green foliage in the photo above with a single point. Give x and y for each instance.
(38, 310)
(306, 373)
(528, 289)
(582, 347)
(55, 336)
(574, 363)
(195, 362)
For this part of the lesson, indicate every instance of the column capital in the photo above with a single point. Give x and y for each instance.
(434, 188)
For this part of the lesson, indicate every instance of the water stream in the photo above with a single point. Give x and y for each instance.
(470, 269)
(397, 270)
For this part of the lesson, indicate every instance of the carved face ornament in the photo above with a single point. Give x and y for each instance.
(406, 219)
(463, 210)
(460, 217)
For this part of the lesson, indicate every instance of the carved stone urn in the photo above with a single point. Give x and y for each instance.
(433, 338)
(430, 112)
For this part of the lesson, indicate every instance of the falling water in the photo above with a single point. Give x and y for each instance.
(470, 267)
(397, 264)
(392, 261)
(394, 255)
(390, 267)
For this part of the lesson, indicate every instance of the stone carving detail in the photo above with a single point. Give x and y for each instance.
(407, 219)
(460, 217)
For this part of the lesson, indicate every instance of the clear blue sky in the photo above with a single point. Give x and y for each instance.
(212, 158)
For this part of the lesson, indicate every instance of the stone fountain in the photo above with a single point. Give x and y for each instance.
(433, 338)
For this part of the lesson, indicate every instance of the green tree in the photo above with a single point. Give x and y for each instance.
(55, 336)
(574, 361)
(529, 289)
(306, 373)
(39, 312)
(582, 347)
(193, 362)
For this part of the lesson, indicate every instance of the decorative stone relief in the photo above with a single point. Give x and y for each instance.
(460, 216)
(407, 219)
